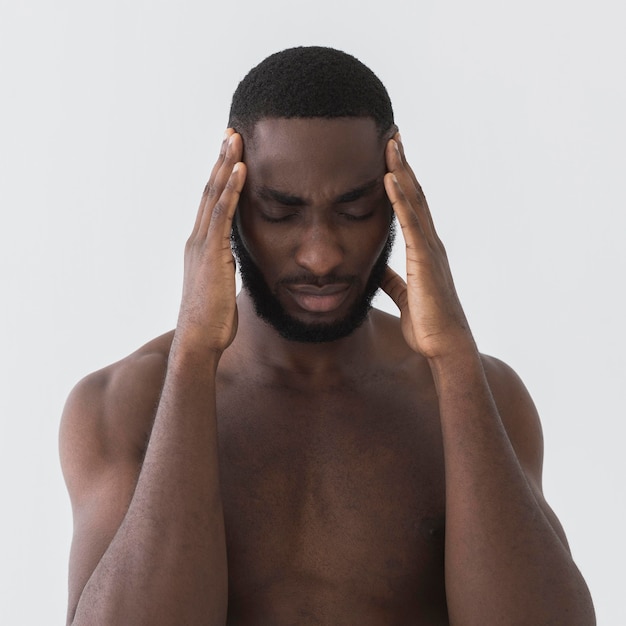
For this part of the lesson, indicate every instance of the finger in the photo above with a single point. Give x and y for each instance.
(418, 188)
(407, 184)
(205, 193)
(220, 160)
(224, 210)
(407, 216)
(395, 287)
(234, 150)
(398, 139)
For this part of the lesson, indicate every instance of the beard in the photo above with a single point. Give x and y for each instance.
(268, 307)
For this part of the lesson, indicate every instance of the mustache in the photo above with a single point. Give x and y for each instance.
(305, 278)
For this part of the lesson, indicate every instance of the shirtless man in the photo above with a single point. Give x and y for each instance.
(290, 456)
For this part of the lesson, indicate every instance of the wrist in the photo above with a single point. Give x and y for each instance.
(188, 352)
(462, 363)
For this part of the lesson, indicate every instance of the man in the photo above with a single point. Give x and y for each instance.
(290, 455)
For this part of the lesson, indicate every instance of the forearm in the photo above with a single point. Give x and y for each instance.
(505, 564)
(167, 561)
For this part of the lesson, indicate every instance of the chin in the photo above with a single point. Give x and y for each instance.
(316, 330)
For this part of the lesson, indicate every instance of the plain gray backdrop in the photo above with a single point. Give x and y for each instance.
(512, 115)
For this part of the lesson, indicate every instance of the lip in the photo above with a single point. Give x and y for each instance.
(319, 299)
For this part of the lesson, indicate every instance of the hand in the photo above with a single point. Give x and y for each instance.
(208, 311)
(433, 321)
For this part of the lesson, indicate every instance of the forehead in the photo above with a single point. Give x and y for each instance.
(314, 155)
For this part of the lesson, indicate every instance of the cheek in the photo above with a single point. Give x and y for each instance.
(377, 241)
(262, 245)
(247, 232)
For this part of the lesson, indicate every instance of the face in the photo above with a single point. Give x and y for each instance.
(314, 226)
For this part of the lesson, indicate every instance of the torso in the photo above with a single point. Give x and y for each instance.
(333, 498)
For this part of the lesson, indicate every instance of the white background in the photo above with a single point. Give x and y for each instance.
(111, 116)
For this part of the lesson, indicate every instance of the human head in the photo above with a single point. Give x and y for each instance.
(309, 84)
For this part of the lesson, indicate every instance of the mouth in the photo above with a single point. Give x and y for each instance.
(315, 299)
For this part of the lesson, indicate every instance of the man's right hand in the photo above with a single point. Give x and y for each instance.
(208, 311)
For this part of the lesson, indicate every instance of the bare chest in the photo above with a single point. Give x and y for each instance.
(336, 494)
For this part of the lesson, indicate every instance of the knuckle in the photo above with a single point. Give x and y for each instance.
(219, 208)
(232, 186)
(229, 162)
(209, 190)
(415, 220)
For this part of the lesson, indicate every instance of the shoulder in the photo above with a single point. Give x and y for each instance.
(126, 383)
(104, 431)
(508, 390)
(515, 406)
(518, 414)
(523, 427)
(109, 413)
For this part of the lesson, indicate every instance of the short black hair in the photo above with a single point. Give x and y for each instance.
(307, 82)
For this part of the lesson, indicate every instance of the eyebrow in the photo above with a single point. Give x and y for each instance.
(287, 199)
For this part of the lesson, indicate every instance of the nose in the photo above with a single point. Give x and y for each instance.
(319, 250)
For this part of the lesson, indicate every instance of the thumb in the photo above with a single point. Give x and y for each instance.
(395, 287)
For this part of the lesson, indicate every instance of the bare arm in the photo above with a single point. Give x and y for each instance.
(507, 560)
(149, 544)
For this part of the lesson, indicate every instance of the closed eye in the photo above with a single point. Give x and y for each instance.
(277, 219)
(356, 217)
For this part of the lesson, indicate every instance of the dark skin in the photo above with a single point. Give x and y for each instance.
(222, 474)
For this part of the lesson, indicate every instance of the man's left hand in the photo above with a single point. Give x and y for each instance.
(433, 321)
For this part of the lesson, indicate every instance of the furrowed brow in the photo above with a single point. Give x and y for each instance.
(287, 199)
(267, 193)
(358, 192)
